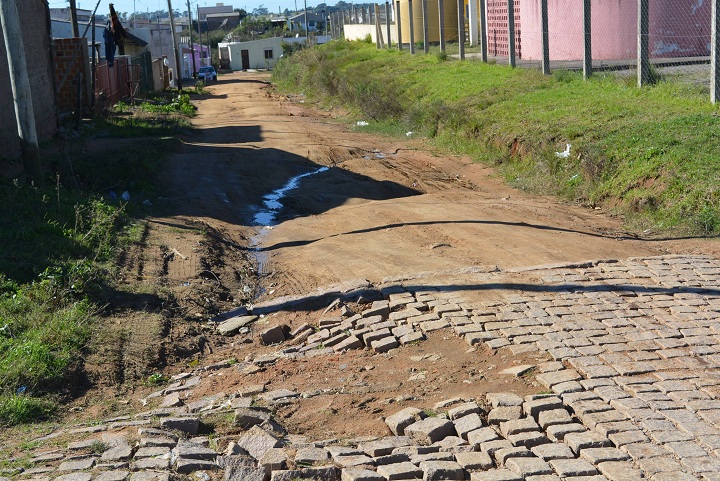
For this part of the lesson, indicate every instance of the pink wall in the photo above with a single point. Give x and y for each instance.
(678, 28)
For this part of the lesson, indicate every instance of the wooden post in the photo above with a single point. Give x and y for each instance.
(511, 32)
(192, 45)
(587, 29)
(178, 68)
(483, 31)
(715, 74)
(473, 22)
(545, 37)
(93, 66)
(412, 27)
(397, 23)
(426, 27)
(461, 28)
(22, 95)
(441, 16)
(643, 46)
(387, 23)
(73, 19)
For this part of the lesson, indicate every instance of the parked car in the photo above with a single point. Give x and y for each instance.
(207, 73)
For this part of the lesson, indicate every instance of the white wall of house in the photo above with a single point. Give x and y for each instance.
(263, 53)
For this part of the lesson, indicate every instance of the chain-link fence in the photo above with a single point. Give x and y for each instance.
(645, 39)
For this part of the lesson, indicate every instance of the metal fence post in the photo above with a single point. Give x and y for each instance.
(412, 27)
(545, 37)
(441, 16)
(715, 74)
(387, 24)
(643, 45)
(426, 27)
(587, 29)
(397, 23)
(461, 28)
(483, 31)
(511, 32)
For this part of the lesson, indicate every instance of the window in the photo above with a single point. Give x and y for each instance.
(268, 53)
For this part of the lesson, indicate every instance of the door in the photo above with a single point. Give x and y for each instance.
(245, 59)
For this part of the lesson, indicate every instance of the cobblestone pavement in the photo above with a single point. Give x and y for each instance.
(632, 391)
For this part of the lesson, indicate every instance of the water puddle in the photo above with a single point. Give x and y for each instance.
(266, 216)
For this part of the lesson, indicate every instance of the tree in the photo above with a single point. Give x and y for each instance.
(261, 10)
(241, 13)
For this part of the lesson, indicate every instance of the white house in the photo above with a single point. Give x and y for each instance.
(256, 54)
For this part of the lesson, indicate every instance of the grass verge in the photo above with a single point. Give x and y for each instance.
(649, 154)
(60, 244)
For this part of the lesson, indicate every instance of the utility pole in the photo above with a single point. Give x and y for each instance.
(307, 35)
(190, 28)
(73, 19)
(20, 85)
(178, 74)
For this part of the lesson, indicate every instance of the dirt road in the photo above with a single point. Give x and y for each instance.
(383, 208)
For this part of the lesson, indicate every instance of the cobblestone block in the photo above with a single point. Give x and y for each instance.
(390, 458)
(502, 399)
(385, 344)
(466, 424)
(311, 456)
(481, 435)
(400, 471)
(256, 441)
(502, 455)
(570, 468)
(528, 439)
(384, 446)
(352, 342)
(463, 410)
(472, 461)
(430, 430)
(371, 336)
(579, 441)
(504, 413)
(355, 461)
(412, 337)
(516, 426)
(552, 451)
(533, 407)
(77, 464)
(402, 419)
(601, 455)
(553, 417)
(619, 471)
(528, 466)
(349, 474)
(495, 475)
(442, 470)
(437, 456)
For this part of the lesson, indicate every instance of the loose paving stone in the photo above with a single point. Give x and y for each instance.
(74, 477)
(385, 344)
(115, 475)
(504, 413)
(619, 471)
(273, 459)
(390, 459)
(77, 465)
(533, 406)
(601, 455)
(232, 326)
(117, 453)
(528, 466)
(580, 441)
(256, 441)
(481, 435)
(245, 473)
(472, 461)
(402, 419)
(404, 470)
(500, 399)
(360, 475)
(442, 470)
(553, 417)
(437, 456)
(528, 439)
(466, 424)
(150, 463)
(516, 426)
(566, 468)
(384, 446)
(150, 476)
(430, 430)
(502, 455)
(248, 417)
(552, 451)
(463, 410)
(495, 475)
(189, 425)
(311, 456)
(559, 431)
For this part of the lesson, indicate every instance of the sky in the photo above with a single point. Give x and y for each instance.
(153, 5)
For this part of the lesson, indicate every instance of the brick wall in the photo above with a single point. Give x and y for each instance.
(34, 18)
(497, 28)
(70, 57)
